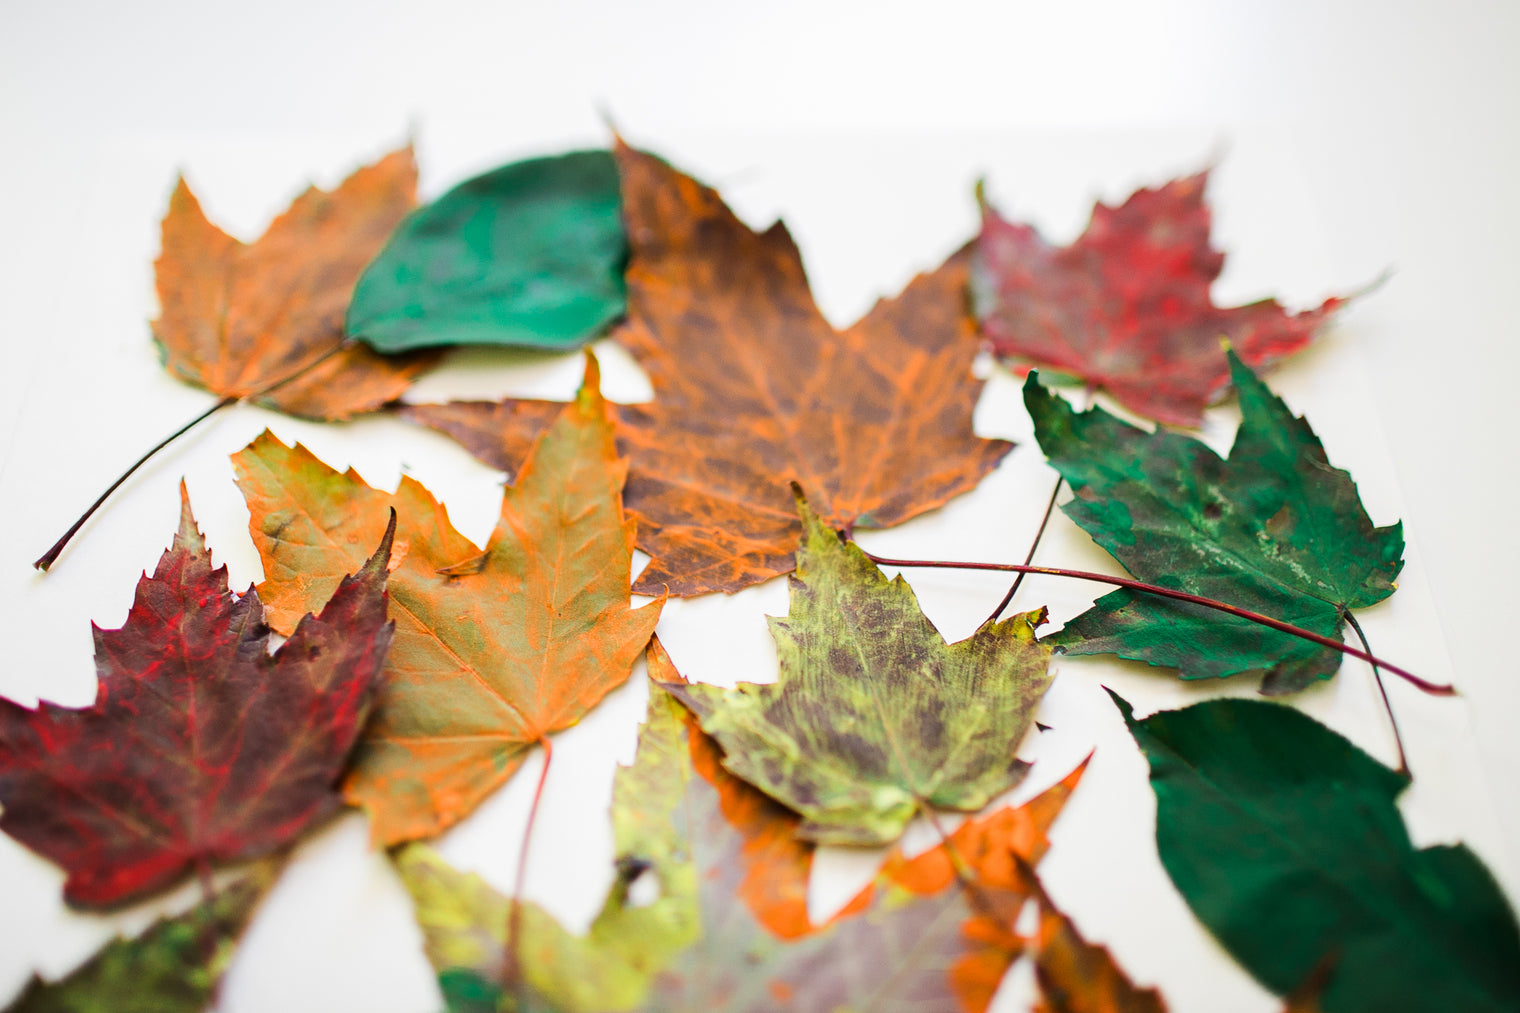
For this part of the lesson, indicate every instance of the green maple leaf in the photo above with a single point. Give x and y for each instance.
(1286, 841)
(1274, 528)
(874, 715)
(705, 944)
(173, 967)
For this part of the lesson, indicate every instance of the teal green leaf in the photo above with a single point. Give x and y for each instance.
(874, 715)
(1274, 528)
(698, 947)
(173, 967)
(529, 255)
(1286, 842)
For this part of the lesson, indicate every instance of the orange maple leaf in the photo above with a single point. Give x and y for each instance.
(754, 389)
(238, 319)
(494, 650)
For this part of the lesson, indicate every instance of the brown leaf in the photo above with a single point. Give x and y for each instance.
(239, 318)
(1076, 976)
(754, 389)
(493, 650)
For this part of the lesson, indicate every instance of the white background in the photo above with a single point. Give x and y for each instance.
(1350, 138)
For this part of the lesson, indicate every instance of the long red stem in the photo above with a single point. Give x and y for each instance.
(1193, 599)
(514, 977)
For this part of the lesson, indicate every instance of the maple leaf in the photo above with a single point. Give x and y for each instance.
(1273, 528)
(997, 852)
(702, 945)
(1126, 307)
(753, 389)
(174, 966)
(201, 746)
(529, 254)
(237, 318)
(495, 649)
(874, 716)
(1286, 841)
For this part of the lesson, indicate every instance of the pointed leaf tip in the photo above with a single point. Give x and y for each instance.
(589, 397)
(379, 562)
(1125, 710)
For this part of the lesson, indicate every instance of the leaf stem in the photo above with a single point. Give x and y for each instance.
(49, 557)
(1091, 391)
(1377, 677)
(513, 976)
(1029, 557)
(1434, 689)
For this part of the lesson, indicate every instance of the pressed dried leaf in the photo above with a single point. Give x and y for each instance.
(530, 254)
(1076, 976)
(702, 945)
(874, 716)
(494, 649)
(201, 747)
(1273, 528)
(172, 967)
(754, 389)
(1286, 841)
(239, 318)
(1126, 307)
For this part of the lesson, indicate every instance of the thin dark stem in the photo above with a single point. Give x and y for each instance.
(514, 978)
(1029, 556)
(1090, 391)
(1378, 678)
(49, 557)
(1193, 599)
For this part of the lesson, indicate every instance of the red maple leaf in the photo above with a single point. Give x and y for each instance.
(1126, 307)
(201, 746)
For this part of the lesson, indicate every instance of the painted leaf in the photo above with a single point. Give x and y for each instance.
(201, 746)
(997, 851)
(701, 945)
(1273, 528)
(1287, 843)
(495, 649)
(529, 254)
(173, 967)
(775, 862)
(875, 717)
(239, 318)
(1126, 307)
(1076, 976)
(754, 389)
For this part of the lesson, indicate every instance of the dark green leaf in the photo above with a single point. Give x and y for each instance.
(1286, 841)
(1274, 529)
(530, 254)
(173, 967)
